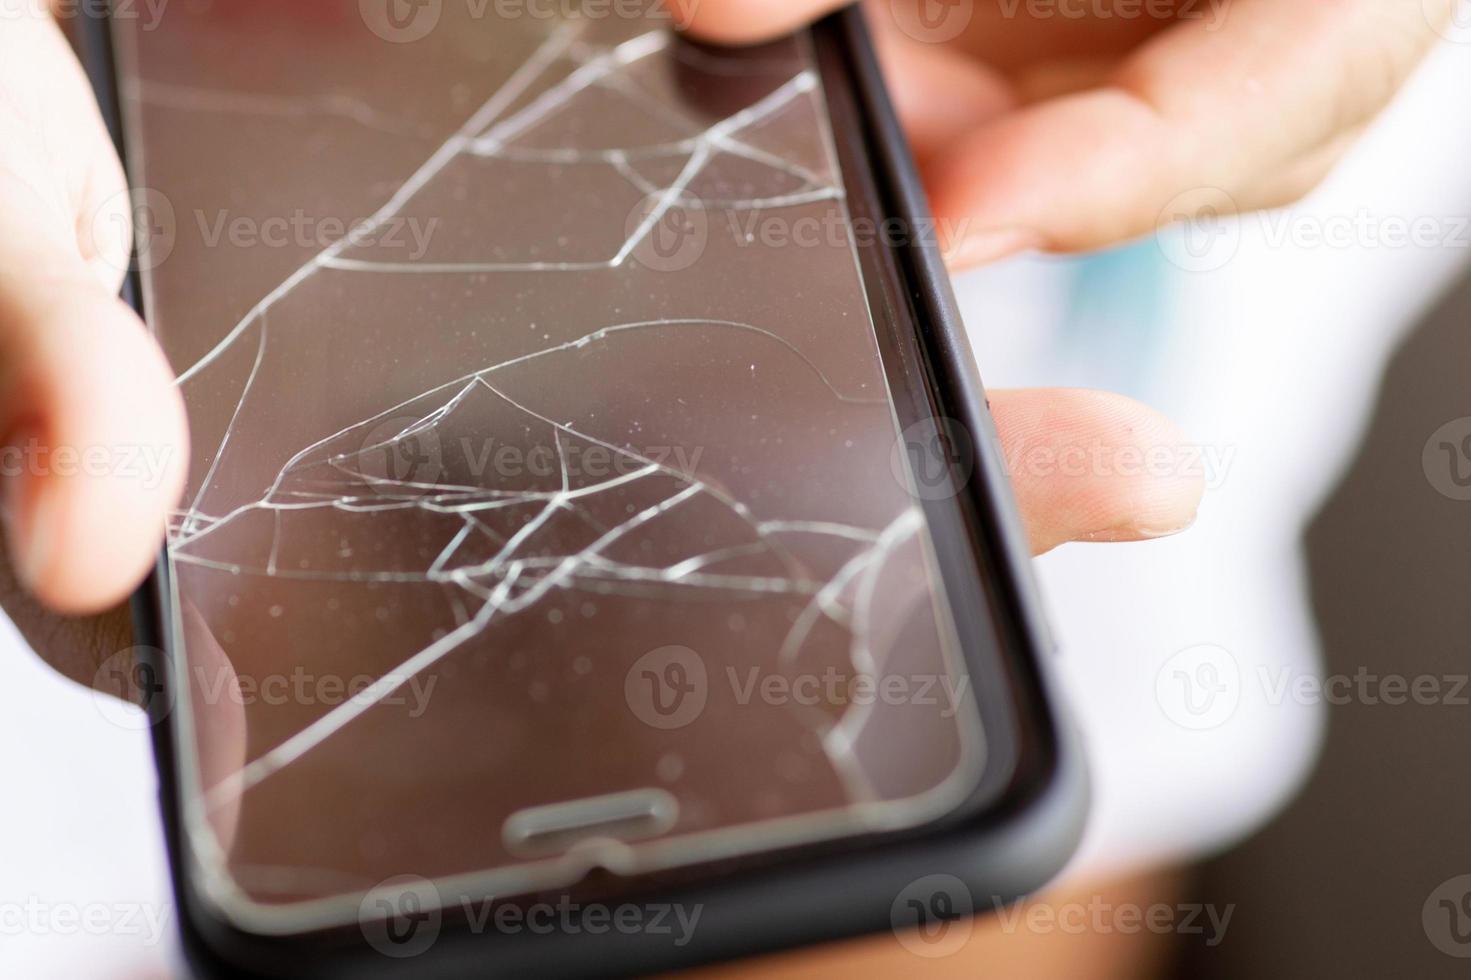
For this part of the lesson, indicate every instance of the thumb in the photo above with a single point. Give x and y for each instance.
(92, 430)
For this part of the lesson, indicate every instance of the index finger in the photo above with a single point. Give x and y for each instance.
(1204, 113)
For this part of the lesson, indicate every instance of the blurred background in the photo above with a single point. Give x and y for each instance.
(1327, 363)
(1330, 370)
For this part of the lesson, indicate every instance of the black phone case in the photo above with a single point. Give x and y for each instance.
(1026, 817)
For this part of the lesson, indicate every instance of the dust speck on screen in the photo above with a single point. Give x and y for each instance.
(545, 509)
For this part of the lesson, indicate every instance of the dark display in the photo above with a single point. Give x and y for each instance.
(545, 510)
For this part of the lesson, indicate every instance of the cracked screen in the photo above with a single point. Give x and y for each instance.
(545, 511)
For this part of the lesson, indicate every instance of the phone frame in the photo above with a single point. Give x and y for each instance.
(1024, 819)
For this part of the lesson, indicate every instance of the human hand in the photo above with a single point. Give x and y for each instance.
(1067, 125)
(81, 372)
(92, 436)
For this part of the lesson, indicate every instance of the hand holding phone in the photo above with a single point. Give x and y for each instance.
(41, 70)
(645, 807)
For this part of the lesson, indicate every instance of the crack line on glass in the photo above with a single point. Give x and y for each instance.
(451, 148)
(668, 197)
(323, 477)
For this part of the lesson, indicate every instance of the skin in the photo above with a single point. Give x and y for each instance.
(80, 371)
(1032, 131)
(1037, 130)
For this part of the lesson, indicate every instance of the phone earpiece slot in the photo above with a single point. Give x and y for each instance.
(559, 827)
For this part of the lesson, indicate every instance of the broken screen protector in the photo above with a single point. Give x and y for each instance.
(545, 509)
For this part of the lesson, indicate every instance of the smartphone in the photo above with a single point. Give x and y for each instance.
(596, 557)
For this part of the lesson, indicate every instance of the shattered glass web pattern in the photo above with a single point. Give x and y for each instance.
(702, 455)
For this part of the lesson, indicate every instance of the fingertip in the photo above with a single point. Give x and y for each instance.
(98, 461)
(963, 250)
(1095, 466)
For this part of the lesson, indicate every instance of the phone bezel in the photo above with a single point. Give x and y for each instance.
(1026, 815)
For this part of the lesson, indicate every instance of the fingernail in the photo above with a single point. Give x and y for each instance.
(989, 246)
(28, 514)
(1140, 532)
